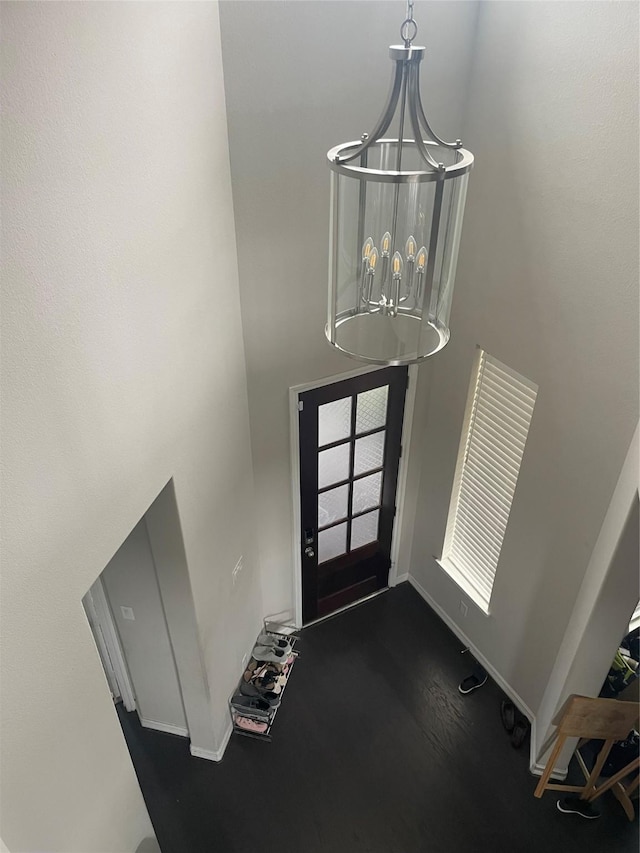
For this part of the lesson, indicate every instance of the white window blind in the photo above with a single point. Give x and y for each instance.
(497, 421)
(635, 619)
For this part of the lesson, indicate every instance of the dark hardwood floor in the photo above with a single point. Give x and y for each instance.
(374, 751)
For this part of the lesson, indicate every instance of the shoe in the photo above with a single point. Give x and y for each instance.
(278, 687)
(574, 805)
(252, 689)
(270, 654)
(251, 725)
(519, 733)
(251, 705)
(270, 640)
(508, 714)
(266, 682)
(471, 683)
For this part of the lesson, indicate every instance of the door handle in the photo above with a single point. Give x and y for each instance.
(309, 552)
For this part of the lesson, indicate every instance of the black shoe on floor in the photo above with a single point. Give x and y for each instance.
(519, 733)
(574, 805)
(471, 683)
(508, 714)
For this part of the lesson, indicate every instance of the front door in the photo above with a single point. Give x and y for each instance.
(350, 434)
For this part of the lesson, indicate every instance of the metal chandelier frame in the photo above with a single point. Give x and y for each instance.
(412, 275)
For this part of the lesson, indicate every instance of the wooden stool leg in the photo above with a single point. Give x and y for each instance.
(619, 791)
(551, 763)
(622, 795)
(597, 767)
(627, 770)
(632, 786)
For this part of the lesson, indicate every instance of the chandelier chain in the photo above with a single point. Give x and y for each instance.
(409, 28)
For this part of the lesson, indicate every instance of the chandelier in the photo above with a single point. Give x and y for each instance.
(396, 219)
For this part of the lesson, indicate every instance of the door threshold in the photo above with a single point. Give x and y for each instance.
(346, 607)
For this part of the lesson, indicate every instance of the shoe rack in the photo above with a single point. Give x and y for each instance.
(238, 718)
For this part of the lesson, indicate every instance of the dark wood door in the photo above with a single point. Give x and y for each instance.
(350, 435)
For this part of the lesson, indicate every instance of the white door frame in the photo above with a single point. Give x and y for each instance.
(409, 405)
(98, 636)
(104, 618)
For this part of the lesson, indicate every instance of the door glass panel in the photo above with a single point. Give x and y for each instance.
(369, 451)
(364, 529)
(334, 421)
(333, 465)
(366, 492)
(332, 505)
(332, 542)
(372, 409)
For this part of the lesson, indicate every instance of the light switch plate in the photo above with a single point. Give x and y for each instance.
(127, 613)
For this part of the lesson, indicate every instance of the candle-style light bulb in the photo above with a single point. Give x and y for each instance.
(421, 263)
(367, 247)
(396, 267)
(385, 244)
(372, 261)
(410, 249)
(410, 252)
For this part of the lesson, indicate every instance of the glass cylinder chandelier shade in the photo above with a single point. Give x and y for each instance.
(396, 219)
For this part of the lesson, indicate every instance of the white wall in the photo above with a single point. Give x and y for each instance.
(130, 581)
(548, 283)
(301, 77)
(123, 366)
(608, 596)
(167, 546)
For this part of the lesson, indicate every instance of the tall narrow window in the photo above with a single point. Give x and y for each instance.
(499, 411)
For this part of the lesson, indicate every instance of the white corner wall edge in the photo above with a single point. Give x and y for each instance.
(397, 555)
(210, 754)
(399, 579)
(534, 768)
(164, 727)
(558, 686)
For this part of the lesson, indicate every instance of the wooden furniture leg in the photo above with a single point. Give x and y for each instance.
(588, 718)
(619, 791)
(551, 763)
(597, 767)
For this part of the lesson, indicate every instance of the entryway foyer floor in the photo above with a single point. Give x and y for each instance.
(374, 751)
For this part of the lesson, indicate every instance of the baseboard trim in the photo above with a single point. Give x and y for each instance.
(164, 727)
(537, 769)
(401, 578)
(213, 754)
(534, 766)
(493, 672)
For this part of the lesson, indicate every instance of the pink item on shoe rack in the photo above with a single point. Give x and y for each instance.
(251, 725)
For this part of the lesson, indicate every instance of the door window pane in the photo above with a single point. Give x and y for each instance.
(332, 505)
(332, 542)
(334, 421)
(333, 465)
(364, 529)
(372, 409)
(366, 492)
(369, 451)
